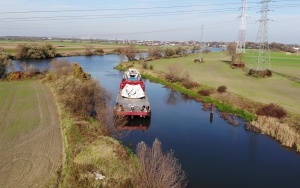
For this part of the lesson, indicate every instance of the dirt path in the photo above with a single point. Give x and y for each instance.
(30, 137)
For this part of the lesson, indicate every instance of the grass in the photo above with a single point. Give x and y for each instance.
(281, 62)
(67, 46)
(215, 71)
(29, 128)
(192, 93)
(19, 108)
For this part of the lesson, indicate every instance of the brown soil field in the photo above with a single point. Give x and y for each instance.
(30, 135)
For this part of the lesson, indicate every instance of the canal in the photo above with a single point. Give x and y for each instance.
(212, 152)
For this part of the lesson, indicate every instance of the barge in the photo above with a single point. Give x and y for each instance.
(132, 99)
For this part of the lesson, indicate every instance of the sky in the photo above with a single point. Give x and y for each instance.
(165, 20)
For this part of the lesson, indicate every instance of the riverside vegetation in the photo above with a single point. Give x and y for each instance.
(179, 73)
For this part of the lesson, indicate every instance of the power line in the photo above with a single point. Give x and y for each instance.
(112, 9)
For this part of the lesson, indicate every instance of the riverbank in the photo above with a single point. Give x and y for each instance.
(91, 156)
(228, 101)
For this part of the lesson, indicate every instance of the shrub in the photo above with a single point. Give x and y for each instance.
(189, 84)
(130, 52)
(29, 70)
(35, 51)
(145, 65)
(61, 67)
(155, 52)
(204, 92)
(169, 52)
(272, 110)
(151, 67)
(158, 169)
(206, 51)
(100, 50)
(174, 73)
(89, 50)
(5, 62)
(222, 89)
(78, 72)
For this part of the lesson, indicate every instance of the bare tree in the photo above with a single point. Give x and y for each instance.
(155, 52)
(130, 52)
(174, 74)
(89, 50)
(158, 169)
(231, 49)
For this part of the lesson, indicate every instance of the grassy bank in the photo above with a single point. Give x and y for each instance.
(90, 152)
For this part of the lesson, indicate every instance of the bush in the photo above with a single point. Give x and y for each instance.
(222, 89)
(5, 61)
(151, 67)
(155, 52)
(130, 52)
(272, 110)
(89, 50)
(204, 92)
(35, 51)
(145, 65)
(187, 83)
(61, 67)
(190, 84)
(174, 73)
(169, 52)
(100, 50)
(158, 169)
(29, 70)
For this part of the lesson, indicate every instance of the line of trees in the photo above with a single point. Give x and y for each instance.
(129, 53)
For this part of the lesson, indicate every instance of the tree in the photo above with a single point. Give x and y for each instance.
(89, 50)
(169, 52)
(155, 52)
(195, 47)
(180, 50)
(5, 61)
(130, 52)
(231, 49)
(35, 51)
(158, 169)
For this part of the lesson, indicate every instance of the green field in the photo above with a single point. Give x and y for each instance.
(30, 136)
(215, 71)
(66, 46)
(281, 62)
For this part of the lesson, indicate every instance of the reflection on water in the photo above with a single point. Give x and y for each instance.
(174, 98)
(136, 124)
(211, 117)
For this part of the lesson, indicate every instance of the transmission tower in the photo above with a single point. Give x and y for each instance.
(240, 48)
(200, 43)
(263, 58)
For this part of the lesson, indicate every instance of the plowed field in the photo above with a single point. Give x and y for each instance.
(30, 135)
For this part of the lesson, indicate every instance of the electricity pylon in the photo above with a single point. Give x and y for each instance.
(263, 58)
(240, 47)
